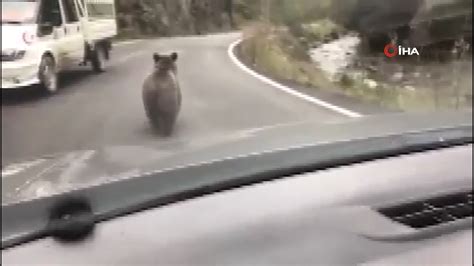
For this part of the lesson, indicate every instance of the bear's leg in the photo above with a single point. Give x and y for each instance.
(167, 124)
(155, 122)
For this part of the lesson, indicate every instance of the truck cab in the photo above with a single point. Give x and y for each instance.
(42, 38)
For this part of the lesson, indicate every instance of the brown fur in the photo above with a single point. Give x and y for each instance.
(162, 94)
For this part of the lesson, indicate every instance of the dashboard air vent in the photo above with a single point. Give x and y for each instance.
(433, 211)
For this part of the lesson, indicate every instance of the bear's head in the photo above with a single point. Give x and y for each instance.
(165, 63)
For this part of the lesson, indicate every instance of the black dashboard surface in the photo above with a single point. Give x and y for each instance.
(322, 218)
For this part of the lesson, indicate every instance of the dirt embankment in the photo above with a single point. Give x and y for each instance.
(276, 52)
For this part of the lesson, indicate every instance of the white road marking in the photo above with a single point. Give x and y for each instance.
(17, 168)
(123, 43)
(287, 89)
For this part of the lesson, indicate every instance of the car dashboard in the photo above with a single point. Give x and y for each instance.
(409, 209)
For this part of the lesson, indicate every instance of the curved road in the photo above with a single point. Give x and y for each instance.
(93, 111)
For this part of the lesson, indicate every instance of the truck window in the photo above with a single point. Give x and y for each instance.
(49, 16)
(80, 7)
(70, 11)
(100, 10)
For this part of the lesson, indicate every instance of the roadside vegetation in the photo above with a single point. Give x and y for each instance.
(278, 40)
(277, 53)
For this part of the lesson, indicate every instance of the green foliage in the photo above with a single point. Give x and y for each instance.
(170, 17)
(247, 9)
(279, 54)
(291, 12)
(321, 29)
(173, 17)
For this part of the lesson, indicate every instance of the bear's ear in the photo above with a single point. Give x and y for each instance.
(156, 57)
(174, 56)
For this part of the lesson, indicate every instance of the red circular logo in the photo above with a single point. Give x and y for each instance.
(390, 50)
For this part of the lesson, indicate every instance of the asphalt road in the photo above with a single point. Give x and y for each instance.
(93, 111)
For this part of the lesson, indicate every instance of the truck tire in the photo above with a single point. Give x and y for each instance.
(48, 75)
(99, 58)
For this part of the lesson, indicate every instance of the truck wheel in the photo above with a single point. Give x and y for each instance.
(99, 59)
(48, 75)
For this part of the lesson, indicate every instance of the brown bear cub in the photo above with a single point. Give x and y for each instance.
(162, 94)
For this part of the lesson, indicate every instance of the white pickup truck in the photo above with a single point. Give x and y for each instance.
(42, 38)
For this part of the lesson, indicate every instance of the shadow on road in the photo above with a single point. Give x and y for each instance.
(23, 95)
(33, 93)
(146, 132)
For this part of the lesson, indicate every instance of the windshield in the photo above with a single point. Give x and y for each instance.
(111, 90)
(16, 11)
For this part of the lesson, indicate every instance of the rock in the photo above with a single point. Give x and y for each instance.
(315, 45)
(357, 75)
(370, 83)
(334, 35)
(326, 40)
(398, 76)
(346, 81)
(371, 68)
